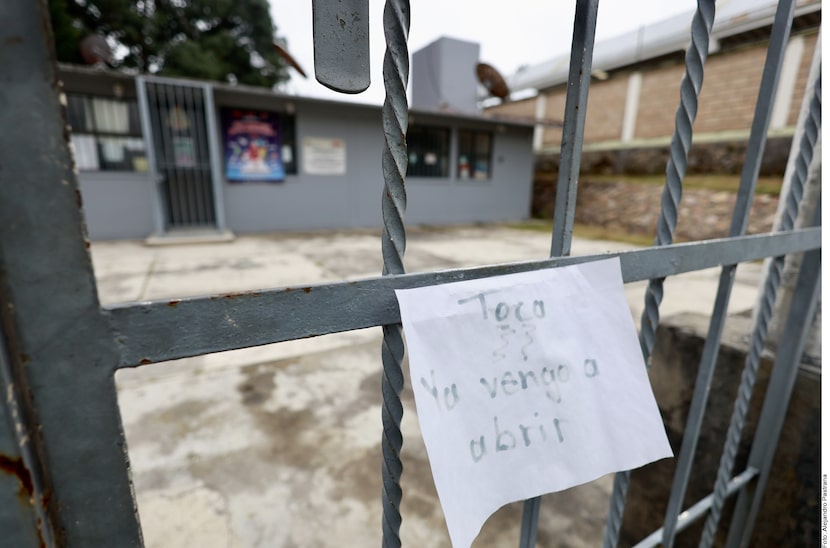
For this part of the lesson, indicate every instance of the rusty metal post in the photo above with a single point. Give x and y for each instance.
(61, 350)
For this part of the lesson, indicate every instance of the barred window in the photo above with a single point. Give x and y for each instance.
(475, 152)
(106, 134)
(429, 151)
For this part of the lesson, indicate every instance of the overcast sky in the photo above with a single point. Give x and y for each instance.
(511, 33)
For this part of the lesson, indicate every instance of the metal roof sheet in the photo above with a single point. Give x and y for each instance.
(648, 42)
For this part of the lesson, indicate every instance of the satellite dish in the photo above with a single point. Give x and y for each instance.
(95, 50)
(282, 52)
(492, 80)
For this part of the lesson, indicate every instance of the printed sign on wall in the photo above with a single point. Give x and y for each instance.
(324, 156)
(527, 384)
(252, 146)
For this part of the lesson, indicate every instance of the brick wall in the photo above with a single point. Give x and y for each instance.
(659, 97)
(730, 89)
(526, 108)
(555, 109)
(606, 106)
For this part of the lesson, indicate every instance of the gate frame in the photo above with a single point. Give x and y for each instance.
(64, 469)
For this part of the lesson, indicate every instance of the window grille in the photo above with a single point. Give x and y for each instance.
(106, 134)
(475, 152)
(429, 151)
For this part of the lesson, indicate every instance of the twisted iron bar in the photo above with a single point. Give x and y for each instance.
(393, 244)
(681, 142)
(676, 168)
(759, 334)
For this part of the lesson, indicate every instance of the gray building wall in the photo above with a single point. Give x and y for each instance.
(121, 205)
(117, 205)
(305, 201)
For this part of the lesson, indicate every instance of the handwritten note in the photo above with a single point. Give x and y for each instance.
(527, 384)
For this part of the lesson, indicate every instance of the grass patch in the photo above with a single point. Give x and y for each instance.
(586, 231)
(718, 183)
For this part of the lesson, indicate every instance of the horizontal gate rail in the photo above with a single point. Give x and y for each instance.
(165, 330)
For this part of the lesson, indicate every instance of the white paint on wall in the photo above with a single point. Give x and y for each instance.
(786, 84)
(539, 130)
(632, 104)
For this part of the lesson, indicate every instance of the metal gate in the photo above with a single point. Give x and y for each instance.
(178, 122)
(64, 473)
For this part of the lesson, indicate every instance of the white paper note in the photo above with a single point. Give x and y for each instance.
(527, 384)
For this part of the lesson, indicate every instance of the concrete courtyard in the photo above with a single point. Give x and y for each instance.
(279, 446)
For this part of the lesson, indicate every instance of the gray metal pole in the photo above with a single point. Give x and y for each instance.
(59, 340)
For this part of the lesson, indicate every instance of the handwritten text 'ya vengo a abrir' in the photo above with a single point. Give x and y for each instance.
(526, 433)
(550, 379)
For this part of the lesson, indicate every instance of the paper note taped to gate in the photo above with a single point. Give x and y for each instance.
(527, 384)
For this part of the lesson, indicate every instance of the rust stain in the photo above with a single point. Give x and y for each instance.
(174, 303)
(41, 542)
(11, 40)
(24, 359)
(237, 295)
(145, 361)
(16, 468)
(306, 290)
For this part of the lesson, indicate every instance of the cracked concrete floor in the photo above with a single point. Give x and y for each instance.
(279, 446)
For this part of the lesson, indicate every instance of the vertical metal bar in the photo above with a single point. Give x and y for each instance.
(681, 142)
(530, 522)
(576, 103)
(200, 185)
(341, 44)
(395, 117)
(184, 175)
(163, 153)
(573, 130)
(759, 333)
(803, 113)
(740, 218)
(175, 184)
(781, 384)
(182, 94)
(150, 146)
(215, 150)
(203, 161)
(57, 336)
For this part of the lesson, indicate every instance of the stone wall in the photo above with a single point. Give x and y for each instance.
(634, 208)
(726, 157)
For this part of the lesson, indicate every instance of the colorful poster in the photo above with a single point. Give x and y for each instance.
(252, 146)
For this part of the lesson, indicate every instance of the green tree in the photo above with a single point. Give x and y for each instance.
(226, 40)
